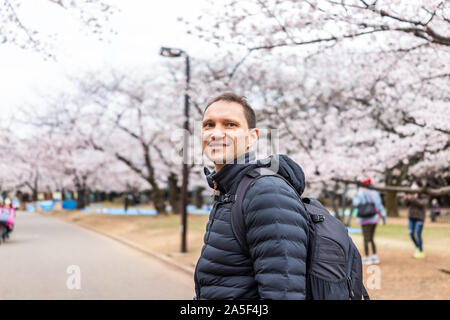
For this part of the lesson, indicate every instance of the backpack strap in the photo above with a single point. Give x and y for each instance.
(365, 294)
(351, 254)
(237, 216)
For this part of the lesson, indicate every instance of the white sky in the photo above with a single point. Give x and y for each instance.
(143, 27)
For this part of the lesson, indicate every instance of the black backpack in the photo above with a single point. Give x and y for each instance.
(334, 267)
(367, 209)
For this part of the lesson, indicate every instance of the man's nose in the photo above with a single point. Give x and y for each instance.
(218, 133)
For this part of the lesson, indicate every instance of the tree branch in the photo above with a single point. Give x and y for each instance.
(428, 191)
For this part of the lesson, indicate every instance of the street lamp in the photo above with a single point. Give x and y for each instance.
(174, 53)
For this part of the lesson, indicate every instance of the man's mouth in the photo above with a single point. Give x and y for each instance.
(217, 145)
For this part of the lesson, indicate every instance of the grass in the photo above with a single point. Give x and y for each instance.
(170, 221)
(398, 230)
(120, 205)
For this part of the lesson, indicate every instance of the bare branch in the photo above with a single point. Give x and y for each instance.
(427, 191)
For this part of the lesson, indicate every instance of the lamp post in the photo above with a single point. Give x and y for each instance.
(174, 53)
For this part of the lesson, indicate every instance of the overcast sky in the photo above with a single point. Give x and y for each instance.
(142, 26)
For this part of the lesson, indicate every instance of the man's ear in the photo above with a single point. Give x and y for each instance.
(253, 136)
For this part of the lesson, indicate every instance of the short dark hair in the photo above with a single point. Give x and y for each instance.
(249, 113)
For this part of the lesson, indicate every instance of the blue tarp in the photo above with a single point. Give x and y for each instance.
(46, 205)
(193, 209)
(354, 230)
(203, 210)
(69, 205)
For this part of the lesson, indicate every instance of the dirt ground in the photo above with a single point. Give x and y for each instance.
(398, 276)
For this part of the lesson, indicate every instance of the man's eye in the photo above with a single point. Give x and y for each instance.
(207, 124)
(232, 124)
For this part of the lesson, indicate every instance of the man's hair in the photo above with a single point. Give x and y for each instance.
(249, 113)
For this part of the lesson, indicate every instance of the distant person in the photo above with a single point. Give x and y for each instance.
(416, 215)
(128, 200)
(8, 210)
(137, 200)
(370, 209)
(435, 210)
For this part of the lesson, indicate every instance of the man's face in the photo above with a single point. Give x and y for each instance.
(225, 133)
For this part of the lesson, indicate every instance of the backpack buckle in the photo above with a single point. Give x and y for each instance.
(253, 173)
(224, 198)
(316, 218)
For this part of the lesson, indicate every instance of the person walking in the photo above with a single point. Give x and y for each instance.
(274, 266)
(127, 201)
(416, 215)
(435, 210)
(8, 212)
(369, 201)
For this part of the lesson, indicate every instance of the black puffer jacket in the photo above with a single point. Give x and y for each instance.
(276, 237)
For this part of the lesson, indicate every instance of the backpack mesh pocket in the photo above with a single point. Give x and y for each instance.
(326, 289)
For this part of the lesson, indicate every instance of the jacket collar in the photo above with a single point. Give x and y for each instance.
(231, 172)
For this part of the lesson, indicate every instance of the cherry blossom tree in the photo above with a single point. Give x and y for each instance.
(355, 88)
(25, 24)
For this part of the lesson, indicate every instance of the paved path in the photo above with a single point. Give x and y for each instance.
(35, 264)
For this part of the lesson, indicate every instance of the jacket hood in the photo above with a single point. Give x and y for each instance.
(287, 168)
(279, 163)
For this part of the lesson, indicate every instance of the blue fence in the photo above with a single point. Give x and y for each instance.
(137, 211)
(49, 205)
(115, 211)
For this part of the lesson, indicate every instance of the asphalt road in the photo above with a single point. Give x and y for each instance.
(46, 258)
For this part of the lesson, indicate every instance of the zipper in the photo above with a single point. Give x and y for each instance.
(212, 220)
(350, 290)
(197, 285)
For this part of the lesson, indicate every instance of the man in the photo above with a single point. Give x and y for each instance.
(276, 227)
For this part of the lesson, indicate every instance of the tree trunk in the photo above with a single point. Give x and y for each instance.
(199, 197)
(174, 194)
(158, 201)
(21, 198)
(391, 204)
(334, 206)
(81, 200)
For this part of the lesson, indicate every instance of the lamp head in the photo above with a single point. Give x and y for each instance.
(171, 52)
